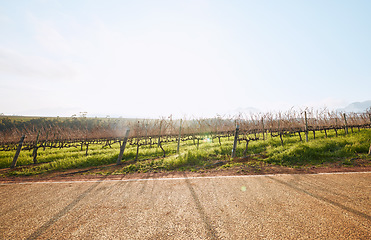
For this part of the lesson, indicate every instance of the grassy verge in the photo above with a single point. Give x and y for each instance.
(342, 150)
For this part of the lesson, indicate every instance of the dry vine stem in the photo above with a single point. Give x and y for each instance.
(166, 129)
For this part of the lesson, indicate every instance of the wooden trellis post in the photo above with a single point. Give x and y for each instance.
(17, 152)
(306, 126)
(263, 129)
(279, 129)
(159, 135)
(235, 141)
(180, 133)
(34, 153)
(145, 140)
(346, 124)
(122, 148)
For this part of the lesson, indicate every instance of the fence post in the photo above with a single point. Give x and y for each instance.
(235, 141)
(306, 126)
(34, 153)
(122, 148)
(17, 152)
(180, 133)
(159, 135)
(346, 124)
(263, 129)
(279, 128)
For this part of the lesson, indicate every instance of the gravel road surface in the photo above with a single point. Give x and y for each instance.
(321, 206)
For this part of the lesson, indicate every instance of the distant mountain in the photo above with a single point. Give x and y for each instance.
(356, 107)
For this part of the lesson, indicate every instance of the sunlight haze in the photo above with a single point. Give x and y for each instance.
(194, 58)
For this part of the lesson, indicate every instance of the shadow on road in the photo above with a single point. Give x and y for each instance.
(63, 212)
(361, 214)
(212, 234)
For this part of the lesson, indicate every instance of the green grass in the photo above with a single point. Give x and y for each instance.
(321, 150)
(293, 153)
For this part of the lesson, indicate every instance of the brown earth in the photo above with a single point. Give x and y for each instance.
(95, 173)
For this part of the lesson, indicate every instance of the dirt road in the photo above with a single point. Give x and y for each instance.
(322, 206)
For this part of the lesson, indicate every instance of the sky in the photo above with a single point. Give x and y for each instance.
(199, 58)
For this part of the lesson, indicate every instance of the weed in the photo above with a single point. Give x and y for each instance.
(293, 153)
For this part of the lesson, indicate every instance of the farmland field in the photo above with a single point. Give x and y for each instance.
(206, 152)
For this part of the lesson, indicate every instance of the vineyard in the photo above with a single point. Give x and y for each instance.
(167, 136)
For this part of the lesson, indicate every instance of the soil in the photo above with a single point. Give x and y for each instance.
(95, 173)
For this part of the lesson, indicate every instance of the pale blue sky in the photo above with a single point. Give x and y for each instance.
(199, 57)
